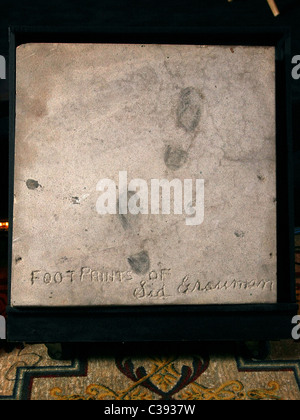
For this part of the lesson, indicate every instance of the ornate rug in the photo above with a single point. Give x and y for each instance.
(222, 372)
(27, 373)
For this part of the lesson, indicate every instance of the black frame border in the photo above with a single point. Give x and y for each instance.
(171, 323)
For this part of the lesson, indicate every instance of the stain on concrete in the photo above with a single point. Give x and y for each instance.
(126, 219)
(140, 263)
(32, 184)
(175, 158)
(239, 234)
(75, 200)
(188, 109)
(261, 178)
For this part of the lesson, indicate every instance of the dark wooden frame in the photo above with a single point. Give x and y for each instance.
(172, 323)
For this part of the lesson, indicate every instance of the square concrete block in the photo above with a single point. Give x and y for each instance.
(100, 126)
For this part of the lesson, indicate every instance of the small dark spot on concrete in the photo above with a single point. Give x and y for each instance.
(261, 177)
(32, 184)
(75, 200)
(140, 263)
(18, 259)
(274, 200)
(232, 50)
(239, 234)
(175, 158)
(188, 109)
(271, 254)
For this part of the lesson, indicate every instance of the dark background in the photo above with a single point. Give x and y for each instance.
(116, 13)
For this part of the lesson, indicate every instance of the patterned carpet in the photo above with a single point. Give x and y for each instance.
(222, 372)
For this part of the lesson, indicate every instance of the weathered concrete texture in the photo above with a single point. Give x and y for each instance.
(87, 112)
